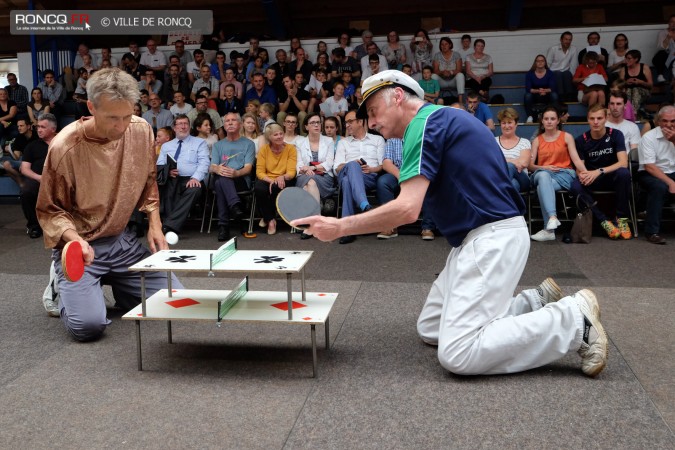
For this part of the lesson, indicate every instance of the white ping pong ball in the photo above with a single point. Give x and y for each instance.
(171, 238)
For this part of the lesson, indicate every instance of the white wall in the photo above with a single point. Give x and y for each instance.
(511, 51)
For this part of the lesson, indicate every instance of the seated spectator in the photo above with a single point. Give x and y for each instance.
(301, 64)
(448, 68)
(540, 86)
(106, 55)
(157, 116)
(466, 49)
(183, 184)
(260, 91)
(593, 40)
(52, 91)
(184, 57)
(254, 49)
(336, 105)
(562, 60)
(362, 49)
(342, 63)
(344, 42)
(293, 100)
(619, 85)
(179, 106)
(517, 150)
(275, 169)
(173, 84)
(479, 70)
(276, 84)
(315, 87)
(202, 127)
(253, 107)
(256, 66)
(133, 68)
(12, 154)
(638, 78)
(133, 52)
(432, 89)
(153, 58)
(589, 92)
(8, 111)
(554, 155)
(321, 47)
(205, 81)
(358, 161)
(218, 66)
(367, 61)
(322, 63)
(202, 106)
(231, 163)
(18, 94)
(394, 52)
(479, 110)
(350, 87)
(194, 68)
(80, 94)
(265, 115)
(603, 166)
(34, 157)
(657, 170)
(229, 79)
(616, 61)
(665, 52)
(421, 48)
(144, 100)
(281, 66)
(251, 130)
(291, 125)
(150, 83)
(332, 127)
(316, 153)
(88, 63)
(616, 119)
(211, 102)
(228, 102)
(164, 135)
(239, 67)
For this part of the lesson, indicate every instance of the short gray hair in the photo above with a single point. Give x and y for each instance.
(113, 83)
(271, 129)
(51, 118)
(665, 110)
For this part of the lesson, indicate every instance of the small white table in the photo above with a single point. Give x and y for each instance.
(236, 305)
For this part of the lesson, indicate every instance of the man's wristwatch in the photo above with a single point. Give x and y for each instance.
(602, 171)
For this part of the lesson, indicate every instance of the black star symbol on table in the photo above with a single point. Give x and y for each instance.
(182, 258)
(149, 265)
(268, 259)
(281, 267)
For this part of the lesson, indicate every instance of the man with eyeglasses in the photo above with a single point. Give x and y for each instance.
(292, 101)
(157, 116)
(18, 93)
(358, 162)
(202, 106)
(184, 182)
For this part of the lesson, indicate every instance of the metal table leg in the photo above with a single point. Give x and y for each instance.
(326, 326)
(168, 282)
(138, 345)
(168, 329)
(302, 284)
(314, 368)
(289, 282)
(143, 307)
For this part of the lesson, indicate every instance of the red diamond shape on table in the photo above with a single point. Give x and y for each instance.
(284, 305)
(182, 302)
(322, 295)
(306, 318)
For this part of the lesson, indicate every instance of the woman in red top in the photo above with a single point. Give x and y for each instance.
(591, 94)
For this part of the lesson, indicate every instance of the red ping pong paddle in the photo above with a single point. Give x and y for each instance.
(72, 261)
(295, 203)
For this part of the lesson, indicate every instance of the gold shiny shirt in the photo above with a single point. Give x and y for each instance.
(93, 186)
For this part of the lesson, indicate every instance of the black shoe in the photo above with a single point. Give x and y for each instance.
(35, 232)
(347, 239)
(236, 212)
(223, 233)
(304, 236)
(656, 239)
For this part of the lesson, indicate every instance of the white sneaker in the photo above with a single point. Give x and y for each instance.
(660, 79)
(594, 348)
(50, 297)
(529, 119)
(543, 235)
(553, 223)
(549, 291)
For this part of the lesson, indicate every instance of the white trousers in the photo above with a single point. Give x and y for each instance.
(477, 324)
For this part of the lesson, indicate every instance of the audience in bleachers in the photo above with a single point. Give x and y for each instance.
(447, 65)
(591, 81)
(421, 48)
(517, 150)
(562, 60)
(638, 78)
(480, 110)
(479, 70)
(394, 51)
(554, 156)
(540, 87)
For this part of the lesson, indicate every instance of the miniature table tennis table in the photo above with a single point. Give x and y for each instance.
(236, 305)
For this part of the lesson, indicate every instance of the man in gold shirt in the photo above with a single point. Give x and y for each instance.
(97, 171)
